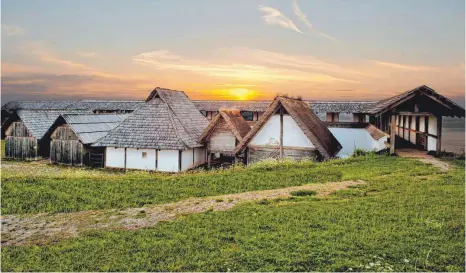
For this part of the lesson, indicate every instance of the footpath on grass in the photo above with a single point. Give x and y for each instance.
(45, 228)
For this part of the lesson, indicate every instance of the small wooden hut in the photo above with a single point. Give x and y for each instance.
(72, 135)
(223, 134)
(25, 131)
(288, 128)
(161, 135)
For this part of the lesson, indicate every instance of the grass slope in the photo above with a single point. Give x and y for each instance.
(408, 217)
(33, 188)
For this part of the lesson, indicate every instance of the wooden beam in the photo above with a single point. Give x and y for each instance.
(209, 159)
(414, 113)
(439, 135)
(281, 131)
(156, 159)
(125, 158)
(255, 147)
(392, 135)
(397, 103)
(179, 159)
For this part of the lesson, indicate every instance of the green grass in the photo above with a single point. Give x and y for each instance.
(408, 217)
(33, 188)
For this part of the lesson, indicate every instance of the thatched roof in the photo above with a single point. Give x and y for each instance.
(38, 122)
(73, 105)
(90, 127)
(235, 121)
(107, 104)
(36, 105)
(347, 107)
(389, 103)
(242, 105)
(168, 120)
(312, 126)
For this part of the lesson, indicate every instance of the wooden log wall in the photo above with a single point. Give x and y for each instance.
(18, 129)
(70, 152)
(21, 148)
(19, 144)
(65, 147)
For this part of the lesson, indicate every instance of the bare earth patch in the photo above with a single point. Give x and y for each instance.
(45, 228)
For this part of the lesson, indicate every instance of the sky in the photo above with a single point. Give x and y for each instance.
(242, 49)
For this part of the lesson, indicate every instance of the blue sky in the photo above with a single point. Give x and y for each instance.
(331, 49)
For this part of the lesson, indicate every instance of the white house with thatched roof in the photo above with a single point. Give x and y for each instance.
(288, 128)
(161, 135)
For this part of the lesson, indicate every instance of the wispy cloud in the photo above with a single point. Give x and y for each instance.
(405, 66)
(303, 17)
(255, 66)
(273, 16)
(87, 54)
(13, 30)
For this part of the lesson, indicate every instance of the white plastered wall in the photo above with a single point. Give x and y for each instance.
(168, 161)
(431, 141)
(136, 160)
(356, 138)
(114, 157)
(412, 137)
(199, 156)
(293, 136)
(187, 159)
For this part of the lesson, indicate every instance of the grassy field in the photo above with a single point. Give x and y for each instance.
(407, 217)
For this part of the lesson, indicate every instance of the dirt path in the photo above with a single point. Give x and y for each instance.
(423, 157)
(44, 228)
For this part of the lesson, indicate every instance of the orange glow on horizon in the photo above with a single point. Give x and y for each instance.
(235, 94)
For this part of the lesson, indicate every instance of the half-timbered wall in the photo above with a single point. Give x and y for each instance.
(292, 134)
(407, 128)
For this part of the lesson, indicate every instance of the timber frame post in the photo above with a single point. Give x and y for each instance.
(281, 131)
(439, 135)
(125, 159)
(392, 134)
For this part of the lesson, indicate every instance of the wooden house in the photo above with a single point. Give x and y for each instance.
(72, 135)
(161, 135)
(223, 134)
(288, 128)
(414, 118)
(24, 133)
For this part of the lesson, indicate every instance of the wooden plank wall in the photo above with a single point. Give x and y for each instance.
(70, 152)
(260, 153)
(21, 148)
(222, 139)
